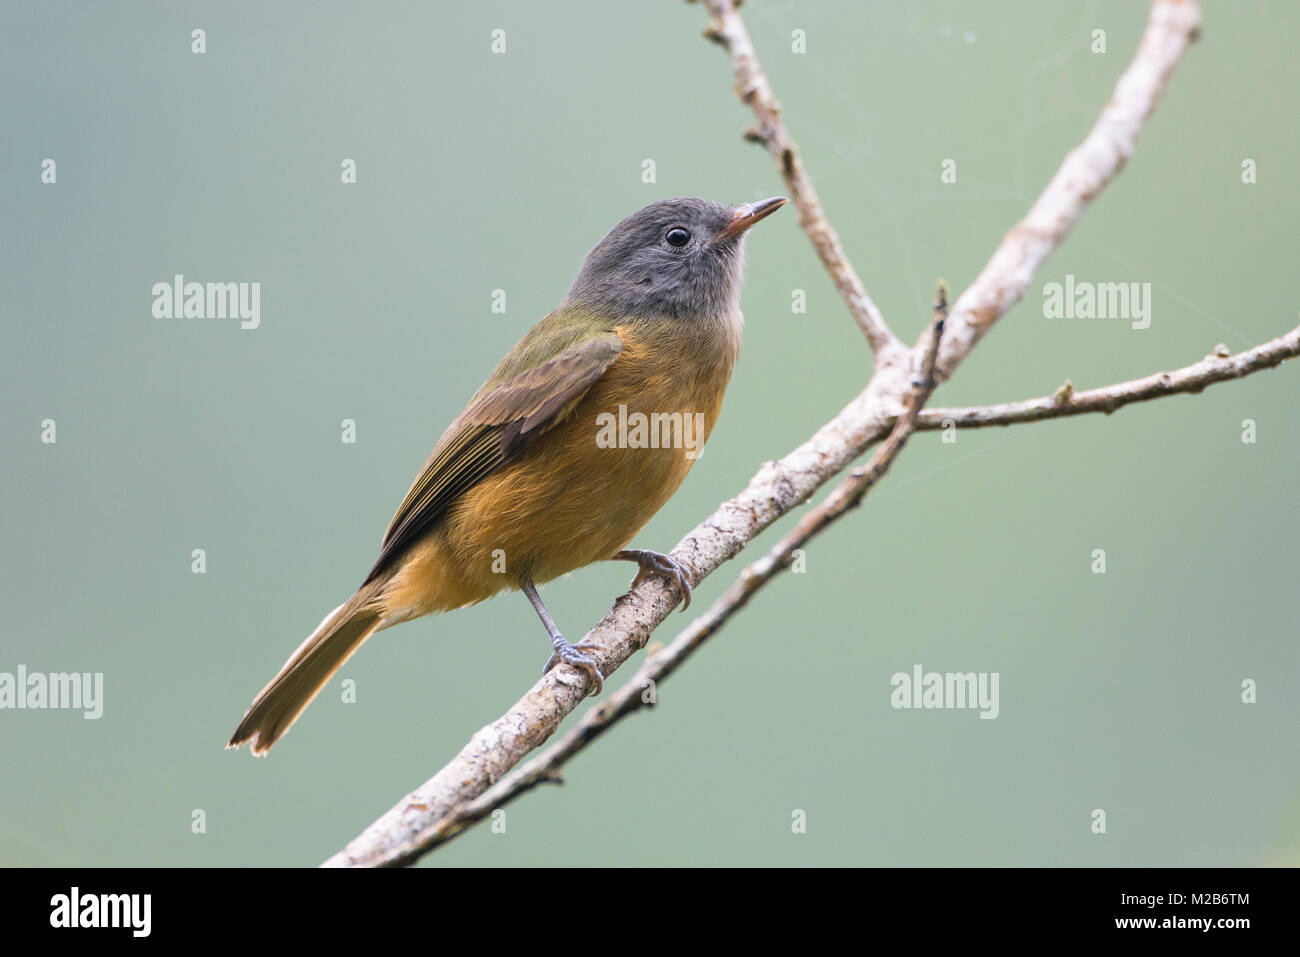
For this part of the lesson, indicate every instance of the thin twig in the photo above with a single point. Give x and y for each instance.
(1218, 366)
(728, 29)
(1171, 28)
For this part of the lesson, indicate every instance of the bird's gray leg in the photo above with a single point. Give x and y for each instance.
(661, 566)
(564, 651)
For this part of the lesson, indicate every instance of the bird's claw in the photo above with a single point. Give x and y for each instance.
(572, 656)
(659, 566)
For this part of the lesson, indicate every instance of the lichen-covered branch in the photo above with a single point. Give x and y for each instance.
(781, 485)
(728, 29)
(1171, 27)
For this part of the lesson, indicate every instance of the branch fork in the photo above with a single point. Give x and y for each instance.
(494, 767)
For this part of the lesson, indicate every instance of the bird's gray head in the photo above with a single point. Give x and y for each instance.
(679, 258)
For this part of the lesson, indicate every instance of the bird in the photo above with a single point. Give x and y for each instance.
(541, 473)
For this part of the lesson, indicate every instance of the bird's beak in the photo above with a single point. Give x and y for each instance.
(747, 215)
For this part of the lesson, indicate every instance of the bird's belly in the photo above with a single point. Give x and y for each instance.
(580, 492)
(576, 494)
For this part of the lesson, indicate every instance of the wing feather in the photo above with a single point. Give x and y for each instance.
(497, 424)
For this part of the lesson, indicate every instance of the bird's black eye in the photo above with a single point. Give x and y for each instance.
(677, 237)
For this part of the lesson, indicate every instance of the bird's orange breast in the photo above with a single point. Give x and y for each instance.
(579, 492)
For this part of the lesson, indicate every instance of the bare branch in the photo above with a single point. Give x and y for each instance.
(1218, 366)
(780, 486)
(728, 29)
(1172, 26)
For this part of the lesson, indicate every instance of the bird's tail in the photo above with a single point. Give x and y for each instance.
(278, 705)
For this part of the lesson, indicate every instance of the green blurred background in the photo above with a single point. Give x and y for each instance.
(479, 172)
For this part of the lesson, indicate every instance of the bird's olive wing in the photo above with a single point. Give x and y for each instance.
(496, 425)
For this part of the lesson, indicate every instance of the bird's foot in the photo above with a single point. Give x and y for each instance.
(660, 566)
(571, 655)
